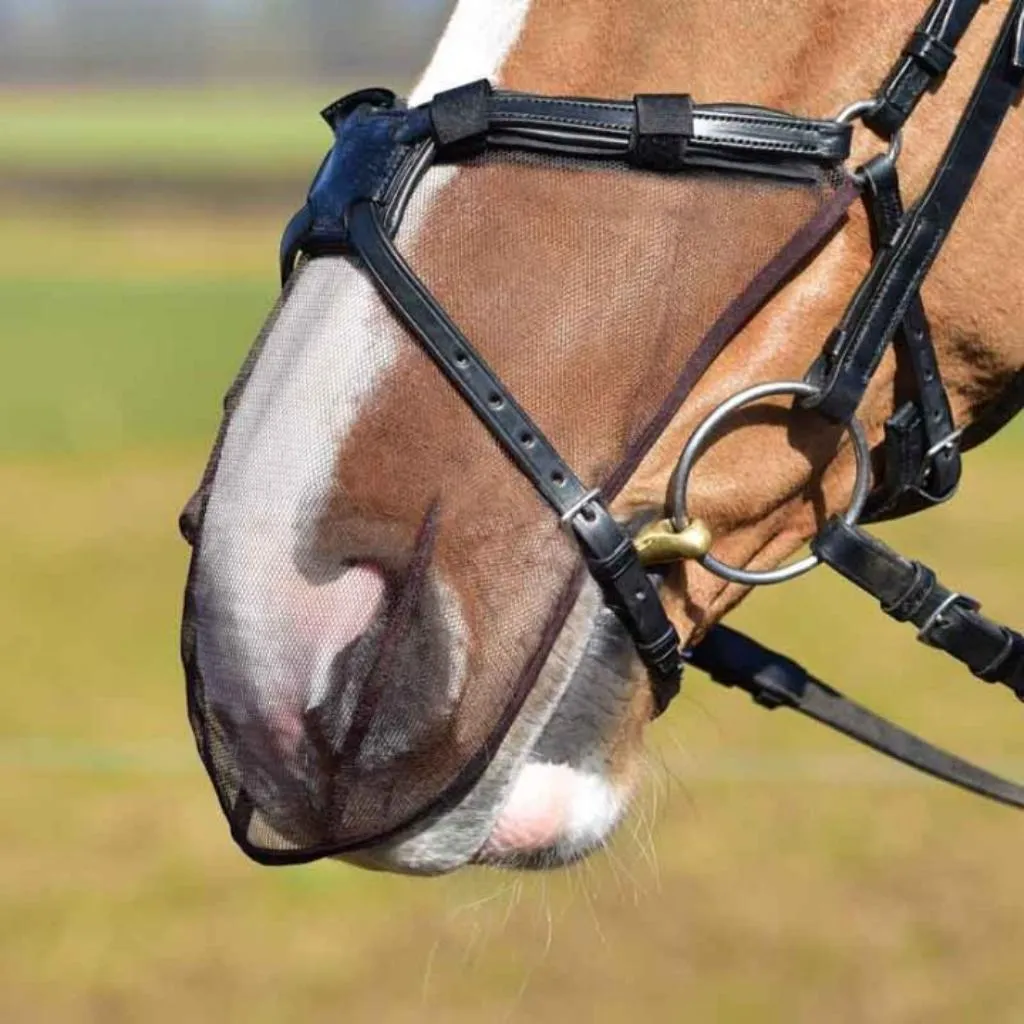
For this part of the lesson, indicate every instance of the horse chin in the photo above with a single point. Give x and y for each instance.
(562, 779)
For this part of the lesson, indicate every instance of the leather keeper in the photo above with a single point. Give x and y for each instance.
(662, 132)
(461, 118)
(931, 52)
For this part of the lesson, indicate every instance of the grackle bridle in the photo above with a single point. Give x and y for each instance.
(382, 151)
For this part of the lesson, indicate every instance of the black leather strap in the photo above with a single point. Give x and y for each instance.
(880, 305)
(609, 552)
(922, 454)
(908, 591)
(609, 129)
(928, 55)
(726, 126)
(381, 149)
(775, 681)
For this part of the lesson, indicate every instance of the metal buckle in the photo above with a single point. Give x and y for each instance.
(700, 438)
(924, 634)
(949, 441)
(574, 510)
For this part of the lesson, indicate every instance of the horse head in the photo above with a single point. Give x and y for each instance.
(396, 652)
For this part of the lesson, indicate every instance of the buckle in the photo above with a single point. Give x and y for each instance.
(578, 506)
(951, 440)
(924, 634)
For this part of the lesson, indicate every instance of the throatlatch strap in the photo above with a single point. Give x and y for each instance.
(775, 681)
(908, 591)
(928, 55)
(857, 344)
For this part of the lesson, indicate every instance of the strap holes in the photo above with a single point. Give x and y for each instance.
(640, 596)
(527, 440)
(461, 359)
(589, 514)
(558, 478)
(495, 401)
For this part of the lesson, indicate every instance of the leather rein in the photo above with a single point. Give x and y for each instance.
(382, 151)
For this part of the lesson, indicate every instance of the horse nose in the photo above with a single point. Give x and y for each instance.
(386, 685)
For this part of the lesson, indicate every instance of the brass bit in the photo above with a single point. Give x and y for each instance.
(661, 543)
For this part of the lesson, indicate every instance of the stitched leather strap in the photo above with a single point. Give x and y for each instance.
(775, 681)
(382, 149)
(908, 591)
(928, 55)
(610, 554)
(856, 346)
(602, 128)
(922, 456)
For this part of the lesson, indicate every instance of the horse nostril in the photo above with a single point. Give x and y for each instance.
(338, 614)
(387, 692)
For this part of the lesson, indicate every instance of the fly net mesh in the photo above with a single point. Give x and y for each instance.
(374, 586)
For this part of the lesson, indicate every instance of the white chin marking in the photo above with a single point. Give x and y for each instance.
(556, 808)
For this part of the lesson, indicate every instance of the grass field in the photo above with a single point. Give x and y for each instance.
(174, 131)
(773, 873)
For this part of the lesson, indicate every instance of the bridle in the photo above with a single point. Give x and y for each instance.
(382, 151)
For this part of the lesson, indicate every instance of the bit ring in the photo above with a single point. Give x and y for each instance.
(696, 445)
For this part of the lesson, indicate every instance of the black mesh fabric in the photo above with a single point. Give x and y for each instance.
(374, 586)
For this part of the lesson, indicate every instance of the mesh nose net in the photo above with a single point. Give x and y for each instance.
(374, 587)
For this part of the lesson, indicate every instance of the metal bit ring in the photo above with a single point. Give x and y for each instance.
(695, 446)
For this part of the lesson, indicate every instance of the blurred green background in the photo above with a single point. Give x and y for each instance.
(771, 872)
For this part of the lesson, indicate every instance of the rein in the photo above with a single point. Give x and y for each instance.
(382, 151)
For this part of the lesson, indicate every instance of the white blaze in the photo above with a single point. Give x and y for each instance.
(475, 45)
(330, 348)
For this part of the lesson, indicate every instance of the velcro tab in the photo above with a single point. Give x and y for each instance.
(662, 133)
(461, 117)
